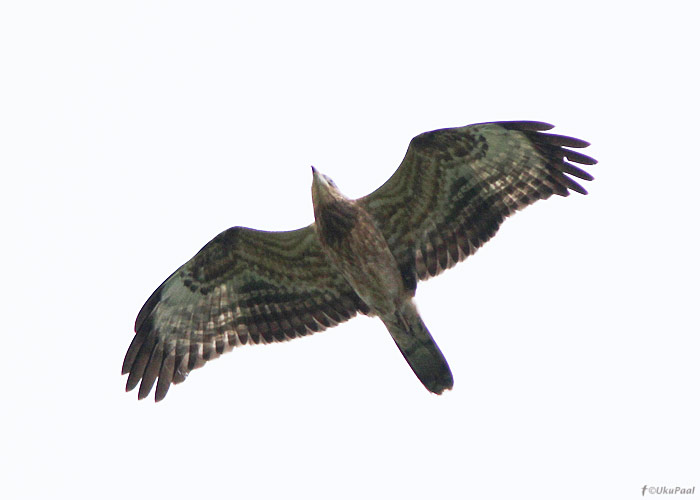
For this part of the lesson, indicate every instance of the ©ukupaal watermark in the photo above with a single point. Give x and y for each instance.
(667, 490)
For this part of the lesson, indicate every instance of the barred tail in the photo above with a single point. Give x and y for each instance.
(419, 349)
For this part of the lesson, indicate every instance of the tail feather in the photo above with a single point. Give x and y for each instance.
(419, 349)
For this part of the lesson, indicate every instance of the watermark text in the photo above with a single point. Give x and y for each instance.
(667, 490)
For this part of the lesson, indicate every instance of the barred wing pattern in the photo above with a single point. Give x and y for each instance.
(245, 286)
(456, 186)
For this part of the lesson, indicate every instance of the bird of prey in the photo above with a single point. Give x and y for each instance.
(448, 197)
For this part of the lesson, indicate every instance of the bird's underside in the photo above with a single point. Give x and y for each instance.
(448, 197)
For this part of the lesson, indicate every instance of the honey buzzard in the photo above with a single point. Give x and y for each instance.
(448, 197)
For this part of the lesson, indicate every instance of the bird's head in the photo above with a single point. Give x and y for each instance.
(323, 189)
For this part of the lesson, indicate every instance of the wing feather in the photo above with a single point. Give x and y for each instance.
(455, 187)
(243, 286)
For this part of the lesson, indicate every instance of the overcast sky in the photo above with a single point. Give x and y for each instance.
(133, 132)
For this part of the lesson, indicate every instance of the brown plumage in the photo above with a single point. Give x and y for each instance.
(449, 196)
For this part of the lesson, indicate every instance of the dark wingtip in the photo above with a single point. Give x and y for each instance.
(562, 140)
(132, 382)
(570, 169)
(526, 126)
(160, 393)
(150, 305)
(577, 157)
(553, 147)
(574, 186)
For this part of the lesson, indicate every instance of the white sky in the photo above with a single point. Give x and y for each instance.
(133, 132)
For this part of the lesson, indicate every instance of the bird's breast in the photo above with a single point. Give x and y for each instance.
(355, 245)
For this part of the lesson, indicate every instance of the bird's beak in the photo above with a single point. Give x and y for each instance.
(319, 188)
(317, 177)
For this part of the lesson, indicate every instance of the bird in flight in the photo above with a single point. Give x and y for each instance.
(448, 197)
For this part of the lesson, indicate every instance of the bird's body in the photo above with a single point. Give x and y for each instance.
(449, 196)
(356, 246)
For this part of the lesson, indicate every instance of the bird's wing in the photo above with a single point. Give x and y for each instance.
(455, 187)
(244, 286)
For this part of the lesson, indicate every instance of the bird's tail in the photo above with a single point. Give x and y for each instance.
(418, 347)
